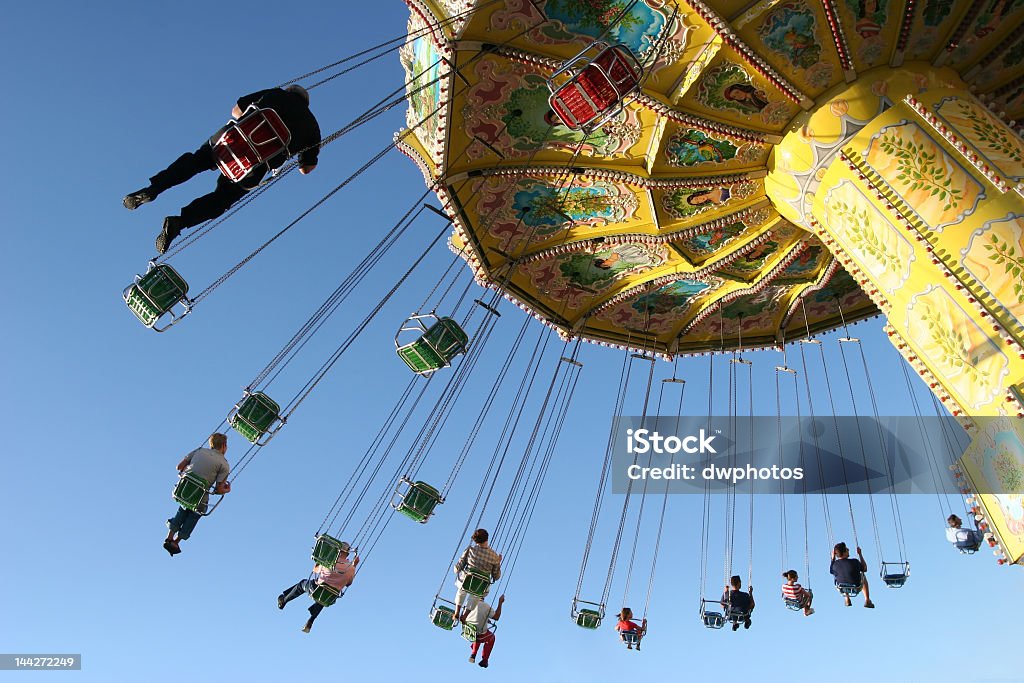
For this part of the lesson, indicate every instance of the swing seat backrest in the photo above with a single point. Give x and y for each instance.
(793, 604)
(849, 589)
(419, 501)
(254, 416)
(596, 87)
(735, 615)
(630, 637)
(588, 618)
(477, 582)
(967, 547)
(190, 491)
(154, 294)
(255, 138)
(326, 550)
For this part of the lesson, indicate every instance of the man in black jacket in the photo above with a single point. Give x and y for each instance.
(292, 105)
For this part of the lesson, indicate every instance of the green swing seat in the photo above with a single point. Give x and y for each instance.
(588, 618)
(418, 501)
(155, 294)
(326, 550)
(323, 594)
(443, 616)
(190, 491)
(254, 416)
(477, 582)
(469, 631)
(436, 347)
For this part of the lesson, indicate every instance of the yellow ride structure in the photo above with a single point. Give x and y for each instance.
(785, 168)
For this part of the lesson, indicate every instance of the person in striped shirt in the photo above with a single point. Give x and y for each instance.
(791, 590)
(479, 556)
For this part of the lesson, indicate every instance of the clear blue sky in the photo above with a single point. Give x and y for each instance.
(97, 410)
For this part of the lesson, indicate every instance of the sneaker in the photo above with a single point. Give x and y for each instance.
(638, 647)
(746, 623)
(172, 228)
(280, 602)
(472, 659)
(309, 625)
(172, 548)
(138, 198)
(735, 626)
(869, 605)
(483, 663)
(809, 612)
(628, 646)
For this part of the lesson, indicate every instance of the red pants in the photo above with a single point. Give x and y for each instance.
(487, 640)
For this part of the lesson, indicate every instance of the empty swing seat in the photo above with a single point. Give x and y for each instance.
(711, 618)
(190, 491)
(326, 550)
(255, 138)
(895, 574)
(443, 616)
(324, 595)
(254, 416)
(436, 348)
(477, 582)
(418, 501)
(155, 294)
(595, 86)
(588, 618)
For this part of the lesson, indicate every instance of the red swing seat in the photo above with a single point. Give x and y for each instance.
(256, 137)
(594, 86)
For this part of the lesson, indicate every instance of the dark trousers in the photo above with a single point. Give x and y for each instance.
(301, 588)
(208, 206)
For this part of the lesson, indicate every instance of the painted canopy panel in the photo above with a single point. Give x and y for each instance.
(659, 218)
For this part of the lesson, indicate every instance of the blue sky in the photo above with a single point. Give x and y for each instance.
(99, 410)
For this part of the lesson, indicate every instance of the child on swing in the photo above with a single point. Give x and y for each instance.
(793, 591)
(629, 632)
